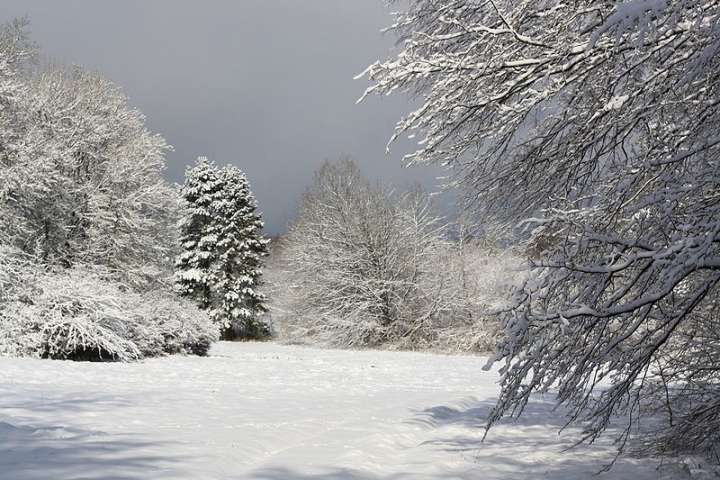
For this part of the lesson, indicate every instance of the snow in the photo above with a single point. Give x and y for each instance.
(270, 412)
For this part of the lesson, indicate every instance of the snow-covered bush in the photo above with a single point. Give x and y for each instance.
(14, 264)
(167, 326)
(367, 266)
(222, 250)
(487, 274)
(595, 123)
(83, 314)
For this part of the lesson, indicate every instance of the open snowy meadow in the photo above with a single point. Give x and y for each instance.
(272, 412)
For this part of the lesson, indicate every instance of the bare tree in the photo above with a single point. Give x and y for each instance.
(364, 262)
(596, 124)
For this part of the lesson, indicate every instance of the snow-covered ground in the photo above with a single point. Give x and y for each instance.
(271, 412)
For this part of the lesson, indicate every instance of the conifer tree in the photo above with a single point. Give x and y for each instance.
(222, 249)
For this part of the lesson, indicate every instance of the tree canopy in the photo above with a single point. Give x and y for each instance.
(594, 125)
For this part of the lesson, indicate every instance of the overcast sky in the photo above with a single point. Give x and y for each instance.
(264, 84)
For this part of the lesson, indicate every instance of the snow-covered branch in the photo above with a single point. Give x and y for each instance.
(601, 119)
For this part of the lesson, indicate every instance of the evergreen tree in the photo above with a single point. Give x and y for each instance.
(222, 249)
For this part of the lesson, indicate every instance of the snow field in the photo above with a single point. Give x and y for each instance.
(270, 412)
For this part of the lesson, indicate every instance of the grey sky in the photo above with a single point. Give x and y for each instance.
(263, 84)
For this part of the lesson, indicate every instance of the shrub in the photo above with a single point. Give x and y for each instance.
(82, 314)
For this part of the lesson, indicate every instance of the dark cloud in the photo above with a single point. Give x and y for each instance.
(264, 84)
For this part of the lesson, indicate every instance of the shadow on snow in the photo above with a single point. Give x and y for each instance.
(37, 451)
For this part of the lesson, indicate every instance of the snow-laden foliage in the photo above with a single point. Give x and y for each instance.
(481, 279)
(82, 314)
(597, 124)
(486, 276)
(15, 51)
(223, 249)
(86, 220)
(82, 183)
(366, 265)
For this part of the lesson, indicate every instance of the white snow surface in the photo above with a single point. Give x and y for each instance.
(271, 412)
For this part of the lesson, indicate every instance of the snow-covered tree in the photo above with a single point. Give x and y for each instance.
(223, 249)
(15, 51)
(83, 177)
(596, 124)
(86, 220)
(364, 262)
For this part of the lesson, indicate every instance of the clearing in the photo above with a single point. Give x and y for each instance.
(270, 412)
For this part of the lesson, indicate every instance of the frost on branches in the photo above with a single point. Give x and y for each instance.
(223, 249)
(80, 176)
(79, 314)
(370, 267)
(86, 220)
(596, 124)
